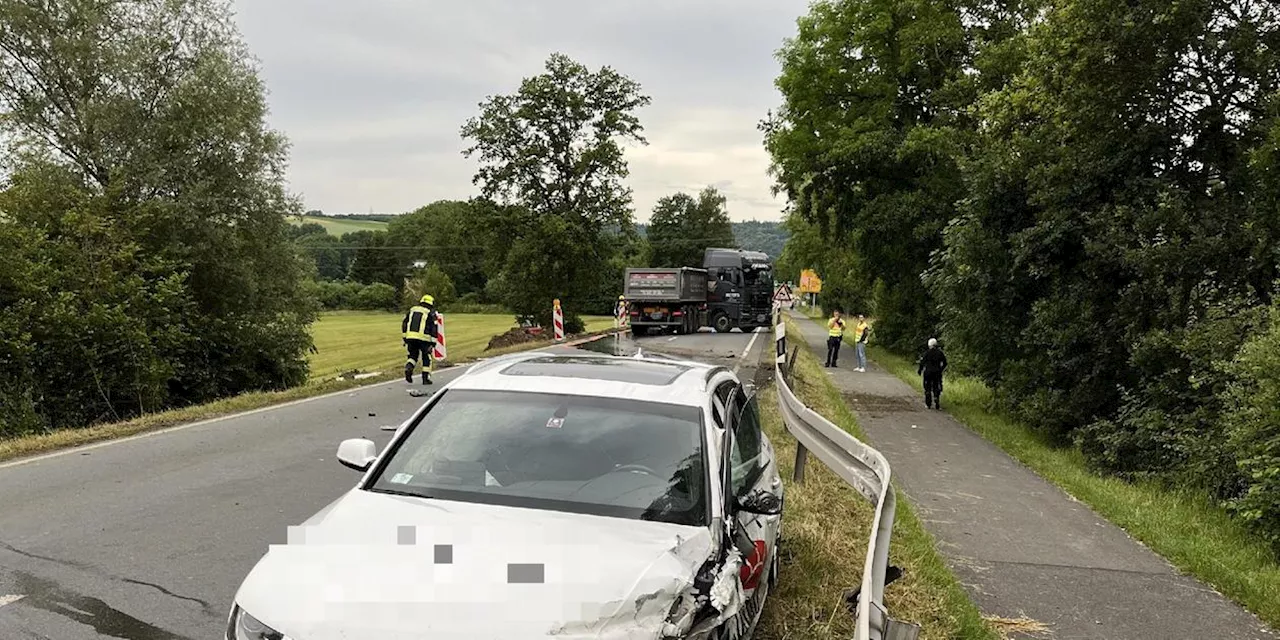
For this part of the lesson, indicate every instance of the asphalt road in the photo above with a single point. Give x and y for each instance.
(148, 538)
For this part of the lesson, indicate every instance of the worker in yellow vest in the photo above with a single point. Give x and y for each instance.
(419, 329)
(835, 335)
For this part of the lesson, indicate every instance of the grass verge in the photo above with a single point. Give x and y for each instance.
(1184, 526)
(825, 537)
(42, 443)
(370, 340)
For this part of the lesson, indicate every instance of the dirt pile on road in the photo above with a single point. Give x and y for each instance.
(512, 338)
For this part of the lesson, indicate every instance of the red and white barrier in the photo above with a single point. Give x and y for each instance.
(621, 318)
(557, 318)
(439, 352)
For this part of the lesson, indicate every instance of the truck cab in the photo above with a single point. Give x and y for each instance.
(739, 289)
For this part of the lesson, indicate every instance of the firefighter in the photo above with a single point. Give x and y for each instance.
(419, 329)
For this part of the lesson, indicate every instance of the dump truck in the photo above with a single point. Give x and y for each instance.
(662, 300)
(734, 288)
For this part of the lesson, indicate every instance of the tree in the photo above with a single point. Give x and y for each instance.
(319, 247)
(430, 280)
(452, 235)
(373, 257)
(1115, 219)
(868, 141)
(142, 172)
(682, 228)
(554, 148)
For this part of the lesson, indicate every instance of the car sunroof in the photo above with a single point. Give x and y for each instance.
(630, 371)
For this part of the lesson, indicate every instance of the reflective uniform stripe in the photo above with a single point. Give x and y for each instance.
(417, 328)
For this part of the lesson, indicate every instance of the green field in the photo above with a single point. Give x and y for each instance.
(339, 226)
(370, 340)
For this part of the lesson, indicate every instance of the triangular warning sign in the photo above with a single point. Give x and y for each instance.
(783, 294)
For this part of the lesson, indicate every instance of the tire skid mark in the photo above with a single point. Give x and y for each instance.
(96, 571)
(47, 595)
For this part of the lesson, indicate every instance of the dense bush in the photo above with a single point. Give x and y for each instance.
(377, 296)
(353, 296)
(1253, 426)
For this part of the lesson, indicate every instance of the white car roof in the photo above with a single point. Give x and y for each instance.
(652, 379)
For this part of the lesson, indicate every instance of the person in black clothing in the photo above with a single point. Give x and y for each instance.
(835, 335)
(931, 367)
(418, 330)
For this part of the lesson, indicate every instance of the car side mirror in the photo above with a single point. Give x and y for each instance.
(357, 453)
(759, 502)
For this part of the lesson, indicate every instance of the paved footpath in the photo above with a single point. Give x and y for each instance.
(1020, 545)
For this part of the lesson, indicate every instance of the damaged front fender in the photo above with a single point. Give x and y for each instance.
(687, 607)
(723, 599)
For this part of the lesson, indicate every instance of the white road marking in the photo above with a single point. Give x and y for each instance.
(9, 599)
(754, 334)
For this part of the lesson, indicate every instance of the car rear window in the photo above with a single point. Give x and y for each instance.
(603, 456)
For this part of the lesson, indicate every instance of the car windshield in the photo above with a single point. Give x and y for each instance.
(601, 456)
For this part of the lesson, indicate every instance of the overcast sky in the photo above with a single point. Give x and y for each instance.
(372, 93)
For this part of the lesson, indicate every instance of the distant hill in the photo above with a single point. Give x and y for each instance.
(339, 225)
(755, 235)
(752, 235)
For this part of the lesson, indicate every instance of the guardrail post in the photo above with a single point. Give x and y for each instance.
(780, 338)
(802, 455)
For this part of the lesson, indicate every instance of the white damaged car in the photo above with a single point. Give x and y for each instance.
(541, 496)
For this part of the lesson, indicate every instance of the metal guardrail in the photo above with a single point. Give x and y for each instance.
(868, 472)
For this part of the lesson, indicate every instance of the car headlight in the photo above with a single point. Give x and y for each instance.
(246, 627)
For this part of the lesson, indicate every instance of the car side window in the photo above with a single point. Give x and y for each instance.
(745, 457)
(720, 404)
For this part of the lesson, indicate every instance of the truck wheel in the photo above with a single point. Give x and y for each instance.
(721, 323)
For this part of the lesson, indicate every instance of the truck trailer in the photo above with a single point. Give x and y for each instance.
(734, 288)
(666, 300)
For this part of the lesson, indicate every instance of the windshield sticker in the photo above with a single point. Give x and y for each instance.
(401, 478)
(555, 423)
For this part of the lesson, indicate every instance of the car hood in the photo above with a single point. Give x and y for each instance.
(367, 567)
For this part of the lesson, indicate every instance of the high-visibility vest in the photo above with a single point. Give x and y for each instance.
(419, 324)
(835, 328)
(863, 328)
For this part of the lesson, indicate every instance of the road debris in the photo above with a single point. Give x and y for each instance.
(1022, 625)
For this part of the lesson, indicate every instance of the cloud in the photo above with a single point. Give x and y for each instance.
(372, 94)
